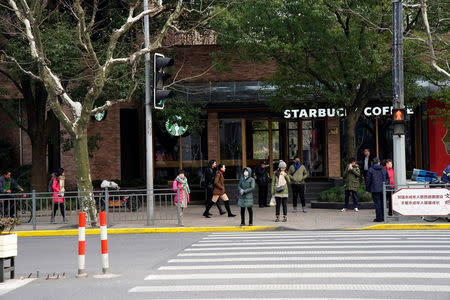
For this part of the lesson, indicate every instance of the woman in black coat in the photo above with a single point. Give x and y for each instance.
(262, 180)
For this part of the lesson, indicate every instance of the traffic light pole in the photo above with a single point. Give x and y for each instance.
(398, 89)
(148, 123)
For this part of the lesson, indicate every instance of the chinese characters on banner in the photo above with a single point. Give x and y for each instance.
(422, 202)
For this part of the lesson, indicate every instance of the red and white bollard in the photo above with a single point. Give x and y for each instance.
(104, 242)
(81, 244)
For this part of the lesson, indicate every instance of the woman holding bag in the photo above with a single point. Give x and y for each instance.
(181, 187)
(280, 190)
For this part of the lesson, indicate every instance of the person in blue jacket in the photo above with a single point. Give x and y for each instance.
(374, 184)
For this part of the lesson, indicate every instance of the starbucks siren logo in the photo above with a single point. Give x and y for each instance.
(175, 129)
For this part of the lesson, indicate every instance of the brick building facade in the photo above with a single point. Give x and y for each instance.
(240, 130)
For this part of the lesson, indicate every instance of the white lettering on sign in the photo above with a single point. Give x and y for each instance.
(422, 202)
(340, 112)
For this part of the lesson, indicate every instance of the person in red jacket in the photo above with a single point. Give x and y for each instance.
(390, 171)
(58, 193)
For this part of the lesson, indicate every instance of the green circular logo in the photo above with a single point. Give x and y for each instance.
(173, 128)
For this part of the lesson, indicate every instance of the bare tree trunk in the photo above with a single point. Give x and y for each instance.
(84, 175)
(350, 134)
(38, 164)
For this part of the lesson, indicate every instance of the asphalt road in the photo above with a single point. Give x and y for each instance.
(243, 265)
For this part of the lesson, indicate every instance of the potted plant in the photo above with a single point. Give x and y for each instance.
(8, 240)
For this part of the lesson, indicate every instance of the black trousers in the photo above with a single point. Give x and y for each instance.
(281, 201)
(61, 209)
(250, 215)
(262, 194)
(379, 209)
(389, 201)
(209, 194)
(298, 191)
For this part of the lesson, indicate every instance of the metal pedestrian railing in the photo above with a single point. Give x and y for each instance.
(388, 190)
(120, 206)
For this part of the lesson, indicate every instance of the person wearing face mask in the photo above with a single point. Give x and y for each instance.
(297, 172)
(246, 187)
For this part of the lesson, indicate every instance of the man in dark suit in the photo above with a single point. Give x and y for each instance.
(366, 162)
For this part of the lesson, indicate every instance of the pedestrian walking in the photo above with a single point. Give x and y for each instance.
(390, 188)
(219, 192)
(181, 187)
(210, 174)
(58, 194)
(246, 187)
(7, 186)
(374, 184)
(280, 190)
(297, 173)
(367, 162)
(352, 177)
(262, 179)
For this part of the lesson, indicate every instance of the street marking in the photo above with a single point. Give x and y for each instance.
(316, 242)
(10, 285)
(216, 254)
(304, 266)
(333, 233)
(308, 258)
(285, 298)
(297, 275)
(316, 247)
(288, 238)
(292, 287)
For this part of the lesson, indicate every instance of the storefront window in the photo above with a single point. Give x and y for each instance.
(313, 133)
(257, 140)
(230, 147)
(293, 140)
(167, 154)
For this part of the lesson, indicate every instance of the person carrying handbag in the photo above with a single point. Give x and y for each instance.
(280, 190)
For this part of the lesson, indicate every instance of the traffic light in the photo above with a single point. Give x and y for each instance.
(399, 121)
(159, 76)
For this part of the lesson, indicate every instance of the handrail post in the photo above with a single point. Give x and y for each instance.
(106, 206)
(384, 202)
(33, 209)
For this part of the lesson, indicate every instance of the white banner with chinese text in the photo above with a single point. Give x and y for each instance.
(422, 202)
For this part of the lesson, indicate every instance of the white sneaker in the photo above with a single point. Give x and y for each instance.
(344, 209)
(356, 209)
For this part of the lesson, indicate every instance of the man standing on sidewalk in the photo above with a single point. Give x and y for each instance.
(298, 174)
(262, 179)
(366, 162)
(374, 184)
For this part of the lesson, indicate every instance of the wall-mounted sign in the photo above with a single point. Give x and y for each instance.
(309, 113)
(333, 131)
(422, 202)
(174, 129)
(100, 116)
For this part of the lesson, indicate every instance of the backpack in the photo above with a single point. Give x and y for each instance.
(50, 185)
(202, 181)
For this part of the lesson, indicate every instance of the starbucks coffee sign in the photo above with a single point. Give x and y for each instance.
(309, 113)
(173, 128)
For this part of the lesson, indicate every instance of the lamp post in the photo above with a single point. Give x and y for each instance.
(148, 123)
(398, 91)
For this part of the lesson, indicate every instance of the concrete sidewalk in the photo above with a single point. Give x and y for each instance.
(313, 219)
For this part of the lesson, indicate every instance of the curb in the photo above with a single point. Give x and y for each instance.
(68, 232)
(403, 227)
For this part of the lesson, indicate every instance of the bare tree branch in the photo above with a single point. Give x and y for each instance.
(12, 59)
(109, 103)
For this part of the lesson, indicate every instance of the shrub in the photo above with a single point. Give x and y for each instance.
(337, 194)
(7, 225)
